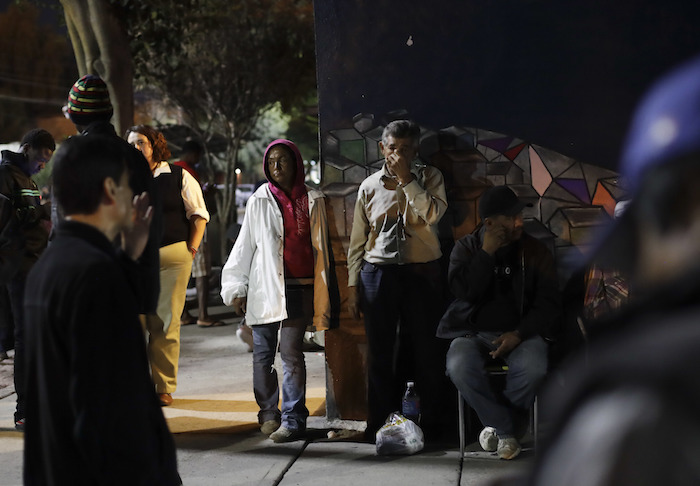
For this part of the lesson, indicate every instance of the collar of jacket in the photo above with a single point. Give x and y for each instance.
(17, 159)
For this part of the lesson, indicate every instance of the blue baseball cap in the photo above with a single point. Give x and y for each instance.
(666, 124)
(665, 127)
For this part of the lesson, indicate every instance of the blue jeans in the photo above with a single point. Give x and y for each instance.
(265, 384)
(527, 366)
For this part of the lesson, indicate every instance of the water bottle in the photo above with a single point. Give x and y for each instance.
(410, 406)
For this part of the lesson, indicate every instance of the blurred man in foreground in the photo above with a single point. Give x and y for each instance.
(92, 413)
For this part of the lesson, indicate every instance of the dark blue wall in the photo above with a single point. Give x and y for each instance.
(561, 74)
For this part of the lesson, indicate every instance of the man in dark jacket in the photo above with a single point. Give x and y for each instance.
(24, 232)
(505, 286)
(92, 413)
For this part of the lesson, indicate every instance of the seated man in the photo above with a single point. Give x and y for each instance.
(505, 286)
(92, 413)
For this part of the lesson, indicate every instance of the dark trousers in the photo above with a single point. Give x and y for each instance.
(16, 292)
(402, 305)
(7, 326)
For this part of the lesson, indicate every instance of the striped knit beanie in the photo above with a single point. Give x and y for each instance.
(88, 101)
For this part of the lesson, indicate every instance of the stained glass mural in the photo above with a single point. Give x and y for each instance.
(571, 199)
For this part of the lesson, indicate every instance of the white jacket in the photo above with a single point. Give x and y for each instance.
(255, 266)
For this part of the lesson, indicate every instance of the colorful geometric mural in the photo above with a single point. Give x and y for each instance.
(570, 198)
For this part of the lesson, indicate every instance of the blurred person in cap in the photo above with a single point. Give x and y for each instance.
(90, 109)
(506, 299)
(24, 234)
(630, 416)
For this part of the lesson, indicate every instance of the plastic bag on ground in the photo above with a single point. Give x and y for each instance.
(399, 435)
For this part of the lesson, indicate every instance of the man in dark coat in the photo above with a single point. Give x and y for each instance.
(92, 413)
(507, 299)
(24, 232)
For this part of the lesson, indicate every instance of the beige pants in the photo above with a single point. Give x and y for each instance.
(163, 328)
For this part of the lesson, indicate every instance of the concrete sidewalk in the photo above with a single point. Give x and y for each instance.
(214, 422)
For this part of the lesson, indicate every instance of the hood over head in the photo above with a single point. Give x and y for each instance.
(299, 187)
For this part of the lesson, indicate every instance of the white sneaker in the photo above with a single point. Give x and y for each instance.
(245, 334)
(283, 434)
(508, 448)
(269, 426)
(488, 439)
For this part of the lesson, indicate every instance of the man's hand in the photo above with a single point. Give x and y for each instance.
(400, 167)
(506, 343)
(354, 303)
(494, 236)
(239, 305)
(134, 239)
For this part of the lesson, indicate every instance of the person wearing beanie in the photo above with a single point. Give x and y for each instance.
(24, 235)
(506, 300)
(90, 109)
(88, 101)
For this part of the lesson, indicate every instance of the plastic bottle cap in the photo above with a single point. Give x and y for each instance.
(410, 383)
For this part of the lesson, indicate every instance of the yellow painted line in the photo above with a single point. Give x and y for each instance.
(228, 415)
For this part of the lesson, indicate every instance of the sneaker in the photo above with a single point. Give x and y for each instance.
(488, 439)
(269, 426)
(283, 434)
(19, 424)
(508, 448)
(245, 334)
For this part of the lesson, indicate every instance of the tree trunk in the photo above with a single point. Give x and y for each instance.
(228, 211)
(101, 47)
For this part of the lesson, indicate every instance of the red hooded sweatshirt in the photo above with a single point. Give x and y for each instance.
(298, 253)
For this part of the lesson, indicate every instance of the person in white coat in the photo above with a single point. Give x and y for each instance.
(277, 275)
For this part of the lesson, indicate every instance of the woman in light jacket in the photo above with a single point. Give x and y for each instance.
(277, 275)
